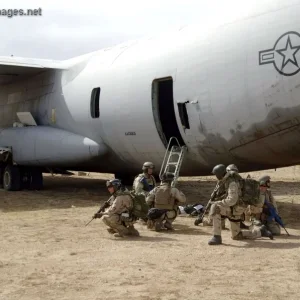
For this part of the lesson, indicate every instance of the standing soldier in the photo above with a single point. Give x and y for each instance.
(165, 198)
(121, 204)
(231, 207)
(145, 182)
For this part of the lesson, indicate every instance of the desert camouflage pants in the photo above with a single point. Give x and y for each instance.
(256, 212)
(207, 221)
(114, 222)
(273, 227)
(166, 220)
(218, 209)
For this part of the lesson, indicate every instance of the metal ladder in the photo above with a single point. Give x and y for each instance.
(174, 161)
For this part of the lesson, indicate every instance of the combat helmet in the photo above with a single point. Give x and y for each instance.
(219, 171)
(147, 165)
(264, 180)
(167, 177)
(115, 183)
(232, 167)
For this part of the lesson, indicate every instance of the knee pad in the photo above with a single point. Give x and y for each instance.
(171, 214)
(214, 210)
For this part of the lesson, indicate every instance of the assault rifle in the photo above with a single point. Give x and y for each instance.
(213, 196)
(273, 215)
(101, 209)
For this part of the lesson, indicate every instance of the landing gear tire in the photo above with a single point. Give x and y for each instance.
(12, 178)
(36, 179)
(26, 178)
(1, 176)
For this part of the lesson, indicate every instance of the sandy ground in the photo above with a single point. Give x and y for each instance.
(46, 252)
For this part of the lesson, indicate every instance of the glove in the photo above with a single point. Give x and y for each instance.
(256, 222)
(218, 202)
(97, 215)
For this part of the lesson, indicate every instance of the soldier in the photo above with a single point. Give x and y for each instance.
(165, 197)
(231, 207)
(232, 167)
(145, 182)
(207, 221)
(271, 224)
(118, 211)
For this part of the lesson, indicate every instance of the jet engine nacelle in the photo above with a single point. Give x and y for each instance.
(44, 145)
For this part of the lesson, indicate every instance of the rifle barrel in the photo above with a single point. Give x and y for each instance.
(89, 221)
(286, 231)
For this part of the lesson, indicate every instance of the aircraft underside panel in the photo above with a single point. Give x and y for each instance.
(48, 146)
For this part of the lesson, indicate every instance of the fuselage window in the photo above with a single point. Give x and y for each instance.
(95, 102)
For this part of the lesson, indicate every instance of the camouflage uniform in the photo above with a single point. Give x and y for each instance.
(144, 182)
(120, 202)
(260, 215)
(272, 225)
(233, 208)
(169, 202)
(112, 216)
(207, 220)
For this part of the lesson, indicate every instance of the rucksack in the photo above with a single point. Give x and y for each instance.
(139, 205)
(193, 209)
(250, 191)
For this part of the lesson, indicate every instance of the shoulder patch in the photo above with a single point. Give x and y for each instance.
(141, 178)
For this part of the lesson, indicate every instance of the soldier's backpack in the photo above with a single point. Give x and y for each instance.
(250, 191)
(140, 207)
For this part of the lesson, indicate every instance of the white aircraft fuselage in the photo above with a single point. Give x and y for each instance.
(230, 93)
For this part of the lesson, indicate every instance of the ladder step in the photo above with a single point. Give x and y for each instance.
(175, 153)
(173, 163)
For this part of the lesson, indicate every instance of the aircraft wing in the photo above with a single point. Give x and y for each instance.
(15, 68)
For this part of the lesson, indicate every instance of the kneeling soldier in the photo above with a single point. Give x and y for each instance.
(165, 198)
(121, 205)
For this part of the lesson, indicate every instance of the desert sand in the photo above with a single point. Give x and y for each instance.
(46, 252)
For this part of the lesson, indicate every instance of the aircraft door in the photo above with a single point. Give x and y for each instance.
(164, 110)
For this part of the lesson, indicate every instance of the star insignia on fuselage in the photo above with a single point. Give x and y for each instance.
(289, 54)
(284, 55)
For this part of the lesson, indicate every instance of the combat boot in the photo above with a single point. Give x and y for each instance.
(150, 224)
(118, 234)
(121, 232)
(158, 226)
(111, 231)
(243, 226)
(168, 226)
(132, 231)
(216, 240)
(238, 237)
(265, 232)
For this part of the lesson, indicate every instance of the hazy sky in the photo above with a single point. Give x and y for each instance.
(70, 28)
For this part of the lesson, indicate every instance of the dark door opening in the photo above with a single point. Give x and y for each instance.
(184, 115)
(164, 111)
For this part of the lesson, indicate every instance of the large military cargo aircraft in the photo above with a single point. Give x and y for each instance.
(230, 93)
